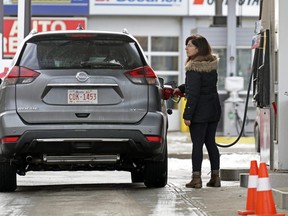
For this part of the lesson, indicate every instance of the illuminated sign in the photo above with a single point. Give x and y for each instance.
(207, 7)
(138, 7)
(138, 2)
(170, 7)
(39, 24)
(132, 7)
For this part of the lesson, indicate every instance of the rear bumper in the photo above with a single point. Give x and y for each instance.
(64, 139)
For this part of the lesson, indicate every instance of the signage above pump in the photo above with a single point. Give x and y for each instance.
(139, 7)
(132, 7)
(10, 41)
(207, 7)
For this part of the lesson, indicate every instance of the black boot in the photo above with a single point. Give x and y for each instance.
(196, 181)
(215, 179)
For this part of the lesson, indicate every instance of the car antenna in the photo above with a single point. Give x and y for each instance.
(33, 31)
(125, 31)
(79, 27)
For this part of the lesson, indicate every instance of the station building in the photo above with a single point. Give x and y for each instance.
(161, 27)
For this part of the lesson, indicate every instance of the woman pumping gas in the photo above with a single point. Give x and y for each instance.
(203, 110)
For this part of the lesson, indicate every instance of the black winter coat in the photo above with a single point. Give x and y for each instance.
(200, 90)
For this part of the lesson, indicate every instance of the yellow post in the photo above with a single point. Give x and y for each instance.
(184, 128)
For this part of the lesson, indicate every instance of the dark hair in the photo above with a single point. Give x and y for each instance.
(204, 48)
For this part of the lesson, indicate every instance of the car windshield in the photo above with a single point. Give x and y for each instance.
(77, 54)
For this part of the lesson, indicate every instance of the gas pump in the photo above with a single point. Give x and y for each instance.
(233, 106)
(270, 87)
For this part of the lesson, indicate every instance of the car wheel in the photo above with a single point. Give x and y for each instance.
(8, 182)
(137, 176)
(156, 173)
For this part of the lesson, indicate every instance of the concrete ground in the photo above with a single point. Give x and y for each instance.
(233, 195)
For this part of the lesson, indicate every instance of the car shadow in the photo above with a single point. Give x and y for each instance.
(82, 187)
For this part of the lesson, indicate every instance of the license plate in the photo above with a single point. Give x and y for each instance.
(82, 96)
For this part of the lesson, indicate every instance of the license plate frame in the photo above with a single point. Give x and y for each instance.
(82, 96)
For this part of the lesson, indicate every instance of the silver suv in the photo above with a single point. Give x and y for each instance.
(82, 100)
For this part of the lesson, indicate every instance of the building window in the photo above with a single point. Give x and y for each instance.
(164, 63)
(164, 44)
(143, 41)
(243, 68)
(163, 55)
(244, 60)
(222, 67)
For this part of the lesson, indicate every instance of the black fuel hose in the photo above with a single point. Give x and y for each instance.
(244, 118)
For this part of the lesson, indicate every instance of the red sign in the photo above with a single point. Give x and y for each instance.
(39, 24)
(199, 2)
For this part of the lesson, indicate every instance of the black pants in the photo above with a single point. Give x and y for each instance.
(204, 133)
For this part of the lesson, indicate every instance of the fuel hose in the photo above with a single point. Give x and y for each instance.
(244, 118)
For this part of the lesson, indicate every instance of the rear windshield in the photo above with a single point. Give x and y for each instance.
(77, 54)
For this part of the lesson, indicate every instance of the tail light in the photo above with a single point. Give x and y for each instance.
(154, 138)
(20, 75)
(4, 72)
(142, 75)
(9, 139)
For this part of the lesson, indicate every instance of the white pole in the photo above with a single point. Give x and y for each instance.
(231, 38)
(21, 21)
(24, 19)
(1, 29)
(282, 86)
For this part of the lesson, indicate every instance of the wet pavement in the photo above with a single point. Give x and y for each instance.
(224, 201)
(111, 193)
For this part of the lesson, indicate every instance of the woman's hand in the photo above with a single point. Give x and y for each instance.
(187, 122)
(176, 90)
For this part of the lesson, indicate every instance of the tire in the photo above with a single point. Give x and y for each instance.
(156, 173)
(8, 181)
(137, 176)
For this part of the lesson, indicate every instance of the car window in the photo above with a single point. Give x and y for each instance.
(77, 54)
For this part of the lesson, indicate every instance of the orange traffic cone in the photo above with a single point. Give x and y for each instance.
(252, 189)
(264, 198)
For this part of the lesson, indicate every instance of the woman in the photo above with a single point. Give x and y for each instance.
(202, 112)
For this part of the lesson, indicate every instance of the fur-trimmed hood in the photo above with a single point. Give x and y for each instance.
(202, 64)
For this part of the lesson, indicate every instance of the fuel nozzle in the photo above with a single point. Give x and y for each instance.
(168, 93)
